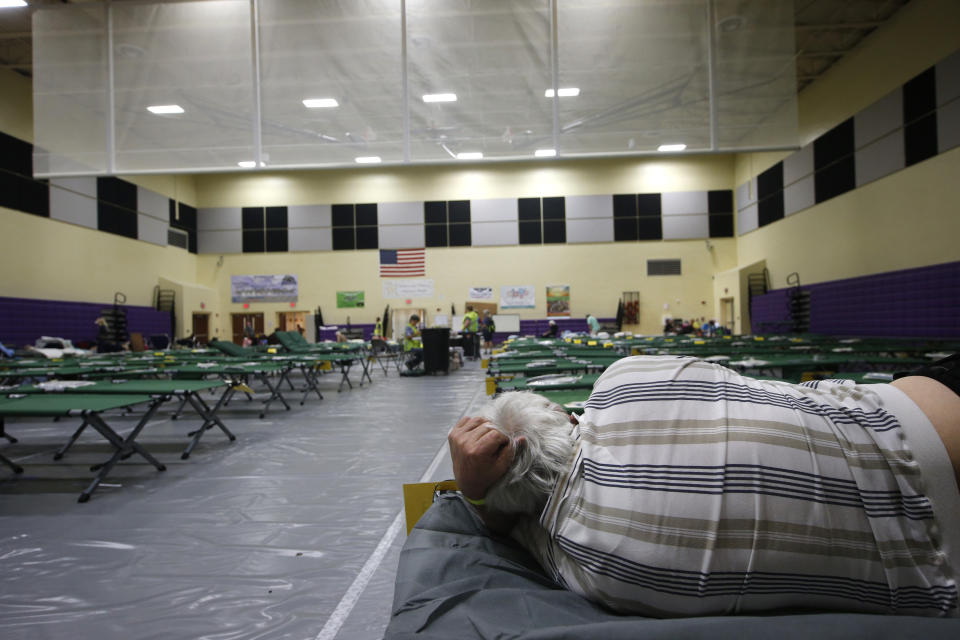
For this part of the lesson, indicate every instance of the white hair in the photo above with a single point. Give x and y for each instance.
(538, 462)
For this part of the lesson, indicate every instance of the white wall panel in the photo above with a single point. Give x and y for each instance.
(153, 204)
(798, 165)
(400, 212)
(407, 236)
(315, 239)
(948, 126)
(220, 241)
(589, 230)
(589, 207)
(219, 219)
(485, 234)
(948, 79)
(681, 202)
(747, 193)
(309, 215)
(74, 200)
(879, 119)
(494, 210)
(881, 158)
(747, 219)
(149, 229)
(799, 196)
(678, 227)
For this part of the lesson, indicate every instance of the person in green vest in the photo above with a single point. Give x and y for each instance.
(412, 344)
(471, 324)
(378, 330)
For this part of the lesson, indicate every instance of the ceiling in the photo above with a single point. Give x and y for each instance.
(826, 30)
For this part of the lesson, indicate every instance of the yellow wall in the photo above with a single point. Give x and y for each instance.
(904, 220)
(597, 274)
(16, 105)
(53, 260)
(510, 180)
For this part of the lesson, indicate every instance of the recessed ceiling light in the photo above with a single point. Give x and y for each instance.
(161, 109)
(671, 147)
(440, 97)
(545, 153)
(321, 103)
(367, 159)
(563, 92)
(470, 155)
(11, 4)
(250, 164)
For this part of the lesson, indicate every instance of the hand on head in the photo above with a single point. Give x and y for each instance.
(481, 455)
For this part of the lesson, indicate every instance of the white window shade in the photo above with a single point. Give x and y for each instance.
(347, 50)
(495, 56)
(711, 74)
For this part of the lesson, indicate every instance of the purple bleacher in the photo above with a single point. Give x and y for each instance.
(23, 320)
(922, 303)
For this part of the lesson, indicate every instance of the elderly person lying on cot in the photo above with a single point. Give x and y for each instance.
(687, 489)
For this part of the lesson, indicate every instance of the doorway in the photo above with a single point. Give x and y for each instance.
(292, 321)
(201, 328)
(727, 316)
(246, 323)
(399, 318)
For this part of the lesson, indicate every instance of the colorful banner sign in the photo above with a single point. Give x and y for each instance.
(280, 288)
(408, 288)
(349, 299)
(480, 293)
(518, 297)
(558, 300)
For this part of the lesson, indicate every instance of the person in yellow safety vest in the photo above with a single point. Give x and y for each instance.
(412, 343)
(471, 321)
(378, 330)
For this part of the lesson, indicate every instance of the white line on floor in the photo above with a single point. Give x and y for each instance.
(350, 598)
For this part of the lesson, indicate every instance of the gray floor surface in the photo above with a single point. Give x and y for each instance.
(264, 537)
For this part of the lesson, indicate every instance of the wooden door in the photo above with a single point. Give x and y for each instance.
(246, 323)
(201, 328)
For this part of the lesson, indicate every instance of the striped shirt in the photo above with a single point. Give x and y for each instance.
(696, 491)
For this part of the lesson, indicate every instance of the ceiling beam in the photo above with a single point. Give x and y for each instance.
(839, 26)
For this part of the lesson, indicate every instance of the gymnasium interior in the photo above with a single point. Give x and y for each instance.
(257, 195)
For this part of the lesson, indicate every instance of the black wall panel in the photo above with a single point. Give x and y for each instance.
(554, 209)
(117, 207)
(277, 240)
(625, 217)
(276, 217)
(367, 238)
(650, 228)
(722, 201)
(832, 146)
(254, 241)
(252, 218)
(920, 95)
(366, 215)
(838, 178)
(920, 139)
(435, 223)
(343, 239)
(341, 215)
(721, 225)
(458, 211)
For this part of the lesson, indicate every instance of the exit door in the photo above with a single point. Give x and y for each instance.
(201, 328)
(250, 324)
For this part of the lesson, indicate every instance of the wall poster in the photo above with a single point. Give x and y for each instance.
(422, 288)
(480, 293)
(518, 297)
(558, 300)
(278, 288)
(350, 299)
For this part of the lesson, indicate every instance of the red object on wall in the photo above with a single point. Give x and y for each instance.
(293, 305)
(246, 305)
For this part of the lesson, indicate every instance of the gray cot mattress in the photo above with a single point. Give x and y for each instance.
(457, 580)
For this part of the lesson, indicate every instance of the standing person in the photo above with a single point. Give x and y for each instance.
(412, 344)
(593, 324)
(488, 327)
(378, 330)
(471, 321)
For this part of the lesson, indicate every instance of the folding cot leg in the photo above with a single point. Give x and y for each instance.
(365, 364)
(209, 420)
(10, 463)
(176, 414)
(274, 395)
(76, 434)
(344, 375)
(310, 384)
(123, 446)
(5, 434)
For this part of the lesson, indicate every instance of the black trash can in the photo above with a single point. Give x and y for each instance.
(436, 350)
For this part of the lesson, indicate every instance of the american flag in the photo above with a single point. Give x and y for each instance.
(402, 263)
